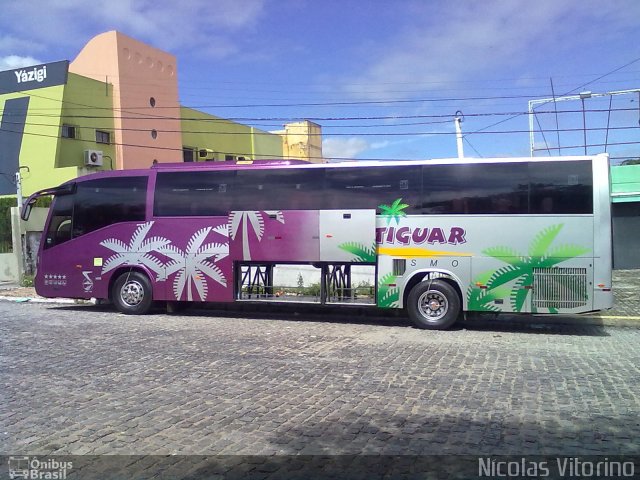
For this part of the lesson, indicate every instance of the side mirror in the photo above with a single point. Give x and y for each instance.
(26, 209)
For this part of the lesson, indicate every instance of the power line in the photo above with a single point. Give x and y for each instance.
(567, 93)
(248, 154)
(146, 108)
(326, 119)
(321, 134)
(472, 147)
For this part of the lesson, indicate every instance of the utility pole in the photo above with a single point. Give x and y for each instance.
(19, 190)
(584, 95)
(459, 118)
(18, 240)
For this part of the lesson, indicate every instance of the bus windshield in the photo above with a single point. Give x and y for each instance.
(64, 189)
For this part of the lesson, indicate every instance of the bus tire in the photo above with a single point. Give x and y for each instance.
(433, 304)
(132, 293)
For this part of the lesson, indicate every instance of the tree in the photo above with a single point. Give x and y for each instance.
(631, 161)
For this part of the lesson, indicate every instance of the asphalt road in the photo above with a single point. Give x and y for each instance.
(86, 380)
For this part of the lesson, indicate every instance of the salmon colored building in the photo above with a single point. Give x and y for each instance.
(145, 97)
(116, 106)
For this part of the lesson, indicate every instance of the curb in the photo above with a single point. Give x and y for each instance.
(613, 320)
(589, 319)
(67, 301)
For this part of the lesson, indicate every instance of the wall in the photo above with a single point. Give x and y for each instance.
(138, 73)
(302, 140)
(88, 107)
(224, 137)
(266, 145)
(625, 183)
(26, 240)
(30, 104)
(626, 229)
(625, 209)
(46, 159)
(39, 141)
(8, 268)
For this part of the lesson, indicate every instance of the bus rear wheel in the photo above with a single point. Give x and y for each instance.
(132, 293)
(433, 304)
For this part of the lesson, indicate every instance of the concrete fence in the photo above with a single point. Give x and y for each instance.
(26, 241)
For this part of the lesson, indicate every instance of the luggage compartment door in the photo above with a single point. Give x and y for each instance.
(348, 236)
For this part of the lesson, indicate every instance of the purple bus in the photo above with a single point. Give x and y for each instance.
(439, 237)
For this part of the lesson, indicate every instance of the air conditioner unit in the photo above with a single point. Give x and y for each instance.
(93, 158)
(206, 154)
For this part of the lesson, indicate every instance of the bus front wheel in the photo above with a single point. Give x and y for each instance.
(132, 293)
(433, 304)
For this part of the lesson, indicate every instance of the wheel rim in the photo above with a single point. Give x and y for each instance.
(132, 293)
(433, 305)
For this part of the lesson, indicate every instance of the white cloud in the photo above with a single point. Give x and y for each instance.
(443, 44)
(166, 24)
(12, 44)
(343, 147)
(14, 61)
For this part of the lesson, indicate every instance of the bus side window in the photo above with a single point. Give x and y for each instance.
(107, 201)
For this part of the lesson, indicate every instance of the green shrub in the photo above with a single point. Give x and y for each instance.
(5, 219)
(312, 290)
(5, 223)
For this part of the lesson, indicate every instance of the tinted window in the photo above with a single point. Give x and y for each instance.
(106, 201)
(59, 230)
(193, 193)
(561, 187)
(281, 189)
(369, 187)
(218, 193)
(489, 188)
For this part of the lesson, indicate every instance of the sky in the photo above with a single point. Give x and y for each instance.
(384, 79)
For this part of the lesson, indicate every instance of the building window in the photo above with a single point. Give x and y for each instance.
(103, 137)
(187, 154)
(69, 131)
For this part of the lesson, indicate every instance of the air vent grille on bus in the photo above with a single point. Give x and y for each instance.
(560, 287)
(399, 267)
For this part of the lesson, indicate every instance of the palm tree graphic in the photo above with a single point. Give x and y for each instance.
(194, 263)
(256, 220)
(394, 211)
(388, 297)
(360, 252)
(519, 268)
(137, 252)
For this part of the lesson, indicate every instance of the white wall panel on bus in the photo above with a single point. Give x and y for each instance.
(343, 233)
(602, 239)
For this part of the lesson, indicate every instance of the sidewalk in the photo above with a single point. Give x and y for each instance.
(625, 311)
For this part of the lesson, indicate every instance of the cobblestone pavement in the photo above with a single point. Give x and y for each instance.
(86, 380)
(626, 291)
